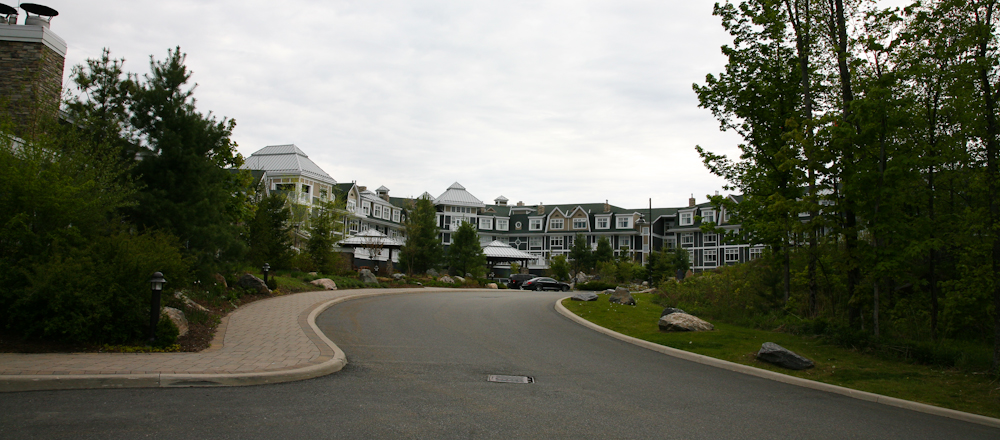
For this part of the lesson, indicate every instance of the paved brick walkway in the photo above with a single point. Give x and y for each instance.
(272, 340)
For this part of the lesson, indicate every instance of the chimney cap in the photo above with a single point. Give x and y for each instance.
(39, 9)
(7, 10)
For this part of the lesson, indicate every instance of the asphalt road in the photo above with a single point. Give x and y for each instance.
(418, 367)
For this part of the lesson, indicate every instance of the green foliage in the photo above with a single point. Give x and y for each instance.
(603, 253)
(187, 187)
(269, 233)
(580, 255)
(166, 333)
(596, 285)
(559, 268)
(423, 250)
(465, 255)
(324, 229)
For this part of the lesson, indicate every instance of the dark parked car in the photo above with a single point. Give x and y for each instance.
(517, 279)
(544, 283)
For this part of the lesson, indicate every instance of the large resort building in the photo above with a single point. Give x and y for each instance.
(542, 231)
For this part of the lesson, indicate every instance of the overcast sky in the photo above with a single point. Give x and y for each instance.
(540, 101)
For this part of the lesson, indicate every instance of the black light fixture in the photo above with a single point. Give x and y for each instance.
(266, 268)
(156, 282)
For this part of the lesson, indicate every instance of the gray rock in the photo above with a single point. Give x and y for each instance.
(219, 279)
(459, 279)
(670, 310)
(178, 318)
(645, 284)
(446, 279)
(253, 284)
(432, 272)
(775, 354)
(682, 322)
(324, 283)
(188, 302)
(492, 286)
(367, 276)
(609, 292)
(584, 296)
(581, 278)
(622, 296)
(468, 275)
(398, 276)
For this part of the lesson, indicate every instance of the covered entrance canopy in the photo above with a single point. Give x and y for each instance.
(499, 252)
(372, 242)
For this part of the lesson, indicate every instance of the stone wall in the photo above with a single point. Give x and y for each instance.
(30, 81)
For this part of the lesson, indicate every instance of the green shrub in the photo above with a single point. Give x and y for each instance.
(596, 285)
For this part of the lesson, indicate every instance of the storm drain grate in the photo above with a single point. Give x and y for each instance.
(509, 379)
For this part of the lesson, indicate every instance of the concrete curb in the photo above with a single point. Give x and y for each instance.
(333, 364)
(778, 377)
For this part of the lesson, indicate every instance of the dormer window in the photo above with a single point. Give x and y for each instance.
(579, 223)
(687, 218)
(624, 222)
(378, 211)
(708, 216)
(556, 223)
(603, 223)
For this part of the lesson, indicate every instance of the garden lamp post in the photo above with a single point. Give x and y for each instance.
(638, 226)
(156, 283)
(266, 268)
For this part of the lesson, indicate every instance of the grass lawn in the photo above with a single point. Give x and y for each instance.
(965, 391)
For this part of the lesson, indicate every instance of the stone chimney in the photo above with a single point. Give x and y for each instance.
(362, 188)
(607, 206)
(32, 59)
(692, 201)
(520, 203)
(541, 208)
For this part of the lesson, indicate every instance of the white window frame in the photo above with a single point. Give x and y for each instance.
(627, 239)
(710, 239)
(485, 223)
(536, 242)
(686, 219)
(557, 223)
(351, 205)
(535, 224)
(502, 224)
(445, 238)
(377, 211)
(395, 215)
(710, 257)
(603, 222)
(687, 239)
(556, 240)
(708, 216)
(366, 208)
(579, 223)
(732, 255)
(756, 252)
(624, 222)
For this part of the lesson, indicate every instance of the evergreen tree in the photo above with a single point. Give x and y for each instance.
(581, 256)
(559, 268)
(422, 250)
(269, 233)
(604, 253)
(324, 229)
(188, 188)
(465, 255)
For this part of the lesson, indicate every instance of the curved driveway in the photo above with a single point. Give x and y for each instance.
(417, 368)
(423, 361)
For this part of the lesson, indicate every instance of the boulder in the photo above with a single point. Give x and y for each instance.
(219, 279)
(645, 284)
(253, 284)
(492, 286)
(688, 274)
(468, 275)
(325, 283)
(398, 276)
(367, 276)
(178, 318)
(581, 278)
(622, 296)
(682, 322)
(670, 310)
(446, 279)
(459, 279)
(188, 302)
(584, 296)
(609, 292)
(775, 354)
(432, 272)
